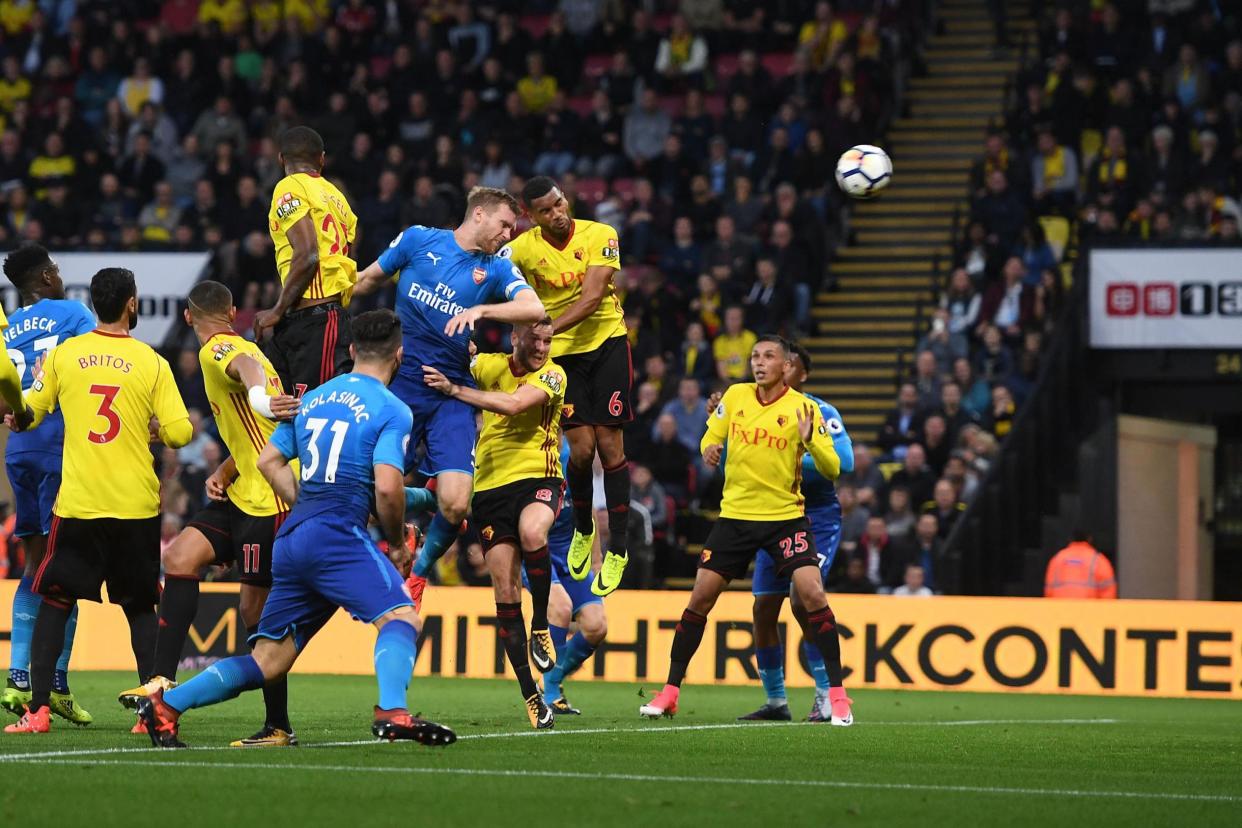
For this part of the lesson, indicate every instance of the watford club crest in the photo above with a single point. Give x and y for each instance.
(487, 533)
(579, 254)
(567, 411)
(781, 420)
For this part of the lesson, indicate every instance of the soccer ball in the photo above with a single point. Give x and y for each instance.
(863, 171)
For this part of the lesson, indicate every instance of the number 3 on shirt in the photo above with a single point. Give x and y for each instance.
(315, 426)
(108, 393)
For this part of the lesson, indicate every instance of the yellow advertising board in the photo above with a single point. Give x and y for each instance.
(1032, 645)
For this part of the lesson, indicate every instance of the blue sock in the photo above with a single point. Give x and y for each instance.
(396, 649)
(772, 673)
(224, 680)
(418, 501)
(568, 660)
(816, 662)
(553, 678)
(440, 536)
(25, 611)
(559, 636)
(66, 650)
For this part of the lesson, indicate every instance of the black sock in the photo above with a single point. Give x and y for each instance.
(539, 574)
(582, 490)
(275, 697)
(178, 606)
(513, 634)
(686, 640)
(617, 496)
(822, 625)
(144, 627)
(45, 645)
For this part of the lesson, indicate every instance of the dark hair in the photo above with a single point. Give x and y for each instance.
(211, 298)
(1080, 535)
(800, 351)
(537, 187)
(779, 340)
(25, 263)
(301, 144)
(111, 290)
(377, 334)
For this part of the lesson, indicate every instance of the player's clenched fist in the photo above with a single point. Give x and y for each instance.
(711, 456)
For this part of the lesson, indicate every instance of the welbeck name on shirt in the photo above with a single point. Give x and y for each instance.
(163, 280)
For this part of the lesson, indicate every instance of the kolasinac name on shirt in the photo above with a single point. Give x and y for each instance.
(1018, 645)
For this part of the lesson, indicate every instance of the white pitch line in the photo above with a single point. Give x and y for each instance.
(634, 777)
(655, 728)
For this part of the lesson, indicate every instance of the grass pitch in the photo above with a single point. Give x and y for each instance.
(911, 759)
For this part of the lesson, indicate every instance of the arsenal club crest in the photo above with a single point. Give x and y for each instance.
(479, 275)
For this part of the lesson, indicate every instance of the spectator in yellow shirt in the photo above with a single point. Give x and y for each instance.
(823, 37)
(733, 346)
(15, 16)
(536, 89)
(14, 86)
(229, 15)
(54, 163)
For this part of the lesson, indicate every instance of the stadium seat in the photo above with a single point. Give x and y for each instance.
(672, 104)
(1057, 230)
(624, 187)
(715, 105)
(662, 22)
(580, 104)
(778, 64)
(534, 24)
(380, 64)
(592, 190)
(596, 65)
(725, 67)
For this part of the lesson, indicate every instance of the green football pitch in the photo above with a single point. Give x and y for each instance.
(911, 759)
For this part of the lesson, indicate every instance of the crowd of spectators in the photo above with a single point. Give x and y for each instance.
(1126, 128)
(705, 131)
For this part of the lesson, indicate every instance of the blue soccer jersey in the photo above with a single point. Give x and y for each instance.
(817, 490)
(343, 429)
(436, 280)
(32, 332)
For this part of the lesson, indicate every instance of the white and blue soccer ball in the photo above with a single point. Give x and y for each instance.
(863, 171)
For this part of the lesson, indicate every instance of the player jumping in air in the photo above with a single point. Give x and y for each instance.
(349, 437)
(312, 227)
(570, 263)
(517, 489)
(106, 523)
(768, 427)
(33, 462)
(240, 520)
(447, 280)
(824, 512)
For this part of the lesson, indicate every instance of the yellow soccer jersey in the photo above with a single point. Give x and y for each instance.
(335, 226)
(763, 458)
(556, 274)
(243, 431)
(10, 380)
(524, 446)
(733, 352)
(109, 386)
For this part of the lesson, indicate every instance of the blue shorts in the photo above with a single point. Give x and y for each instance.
(35, 478)
(559, 538)
(318, 566)
(826, 528)
(445, 425)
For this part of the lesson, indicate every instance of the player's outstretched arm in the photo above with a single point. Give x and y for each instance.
(246, 370)
(371, 279)
(390, 509)
(274, 466)
(302, 268)
(814, 435)
(594, 285)
(523, 309)
(497, 402)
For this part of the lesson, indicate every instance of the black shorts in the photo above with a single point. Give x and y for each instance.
(497, 511)
(732, 544)
(599, 384)
(310, 346)
(83, 554)
(237, 536)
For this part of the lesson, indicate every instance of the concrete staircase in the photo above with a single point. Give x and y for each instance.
(885, 276)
